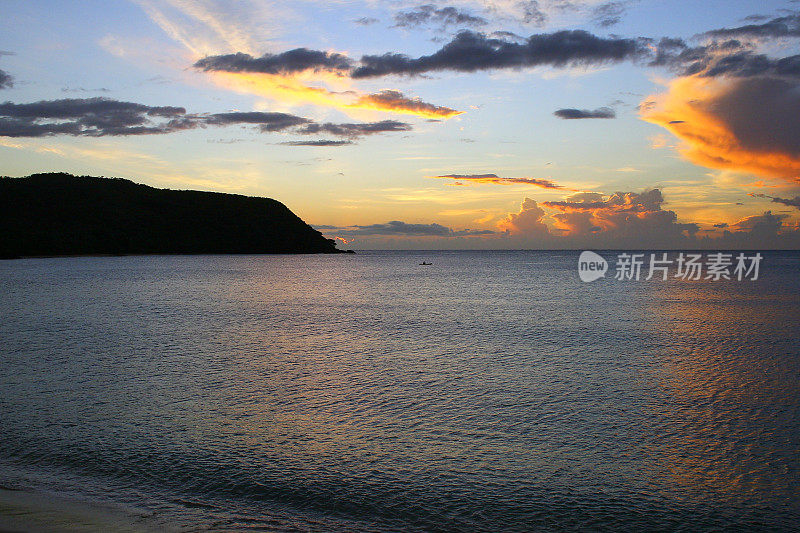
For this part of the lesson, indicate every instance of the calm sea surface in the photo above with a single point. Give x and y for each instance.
(490, 391)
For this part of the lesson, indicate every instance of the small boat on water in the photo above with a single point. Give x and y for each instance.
(424, 263)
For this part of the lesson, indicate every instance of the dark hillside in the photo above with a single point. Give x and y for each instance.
(61, 214)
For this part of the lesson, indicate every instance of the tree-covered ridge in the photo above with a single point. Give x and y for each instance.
(62, 214)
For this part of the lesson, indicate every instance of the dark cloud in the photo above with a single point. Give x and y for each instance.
(761, 113)
(470, 51)
(787, 26)
(291, 61)
(732, 58)
(430, 14)
(666, 52)
(746, 63)
(92, 117)
(96, 117)
(354, 130)
(494, 178)
(757, 232)
(764, 224)
(6, 80)
(472, 232)
(366, 21)
(571, 113)
(267, 122)
(791, 202)
(321, 142)
(687, 60)
(97, 109)
(608, 14)
(721, 225)
(398, 228)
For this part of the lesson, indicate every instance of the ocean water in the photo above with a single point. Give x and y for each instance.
(490, 391)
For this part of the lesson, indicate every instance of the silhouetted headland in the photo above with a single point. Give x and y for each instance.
(61, 214)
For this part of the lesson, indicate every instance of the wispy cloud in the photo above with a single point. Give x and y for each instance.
(444, 16)
(366, 21)
(321, 142)
(206, 27)
(495, 179)
(609, 14)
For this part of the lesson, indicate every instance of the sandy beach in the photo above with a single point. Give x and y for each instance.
(23, 511)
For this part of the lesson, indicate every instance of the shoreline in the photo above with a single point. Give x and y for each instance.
(177, 254)
(39, 512)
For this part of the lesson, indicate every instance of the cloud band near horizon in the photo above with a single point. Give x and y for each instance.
(495, 179)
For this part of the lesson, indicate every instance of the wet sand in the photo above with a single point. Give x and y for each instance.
(23, 511)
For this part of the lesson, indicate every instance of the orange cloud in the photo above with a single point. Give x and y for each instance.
(624, 214)
(743, 124)
(760, 184)
(294, 90)
(280, 88)
(396, 102)
(527, 222)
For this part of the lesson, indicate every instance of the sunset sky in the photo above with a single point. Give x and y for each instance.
(455, 124)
